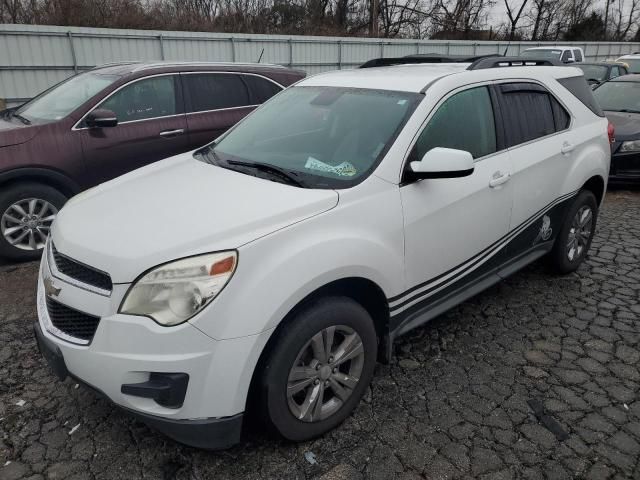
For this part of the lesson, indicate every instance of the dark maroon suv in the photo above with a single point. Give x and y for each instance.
(108, 121)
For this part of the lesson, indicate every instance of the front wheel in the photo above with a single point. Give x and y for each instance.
(573, 241)
(27, 211)
(319, 368)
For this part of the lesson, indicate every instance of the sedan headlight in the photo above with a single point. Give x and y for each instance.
(631, 146)
(174, 292)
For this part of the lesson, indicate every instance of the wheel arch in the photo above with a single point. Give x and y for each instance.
(597, 186)
(362, 290)
(46, 176)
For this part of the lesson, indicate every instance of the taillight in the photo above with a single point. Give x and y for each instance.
(611, 131)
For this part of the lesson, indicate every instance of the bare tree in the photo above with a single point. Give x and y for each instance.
(454, 16)
(624, 15)
(514, 16)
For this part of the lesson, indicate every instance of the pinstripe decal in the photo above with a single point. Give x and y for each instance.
(426, 289)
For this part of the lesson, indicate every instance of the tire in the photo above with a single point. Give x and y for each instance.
(37, 225)
(561, 259)
(294, 340)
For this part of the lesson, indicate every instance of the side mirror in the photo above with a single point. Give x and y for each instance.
(101, 118)
(442, 162)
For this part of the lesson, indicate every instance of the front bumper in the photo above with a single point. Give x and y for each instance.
(210, 434)
(625, 168)
(128, 350)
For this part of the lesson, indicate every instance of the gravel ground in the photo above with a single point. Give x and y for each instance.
(453, 403)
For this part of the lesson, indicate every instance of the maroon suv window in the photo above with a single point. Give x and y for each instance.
(214, 91)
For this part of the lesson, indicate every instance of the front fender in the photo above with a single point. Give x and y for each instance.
(278, 271)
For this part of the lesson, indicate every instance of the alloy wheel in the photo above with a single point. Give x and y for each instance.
(579, 233)
(27, 222)
(325, 373)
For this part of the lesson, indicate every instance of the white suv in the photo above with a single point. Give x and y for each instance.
(271, 268)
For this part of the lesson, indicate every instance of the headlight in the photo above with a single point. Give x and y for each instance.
(632, 146)
(174, 292)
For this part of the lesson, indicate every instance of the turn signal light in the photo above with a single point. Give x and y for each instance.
(611, 131)
(223, 266)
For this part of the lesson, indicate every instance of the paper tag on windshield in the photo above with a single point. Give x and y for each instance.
(345, 169)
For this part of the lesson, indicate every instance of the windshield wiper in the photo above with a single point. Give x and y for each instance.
(24, 120)
(625, 110)
(265, 167)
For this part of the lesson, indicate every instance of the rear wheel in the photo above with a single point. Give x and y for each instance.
(575, 237)
(27, 211)
(319, 368)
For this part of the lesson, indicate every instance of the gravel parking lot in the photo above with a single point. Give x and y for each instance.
(453, 404)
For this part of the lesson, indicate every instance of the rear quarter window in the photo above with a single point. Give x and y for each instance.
(260, 89)
(580, 89)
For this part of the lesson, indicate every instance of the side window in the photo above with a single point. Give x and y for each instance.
(149, 98)
(566, 56)
(580, 89)
(561, 117)
(464, 121)
(213, 91)
(614, 72)
(529, 112)
(260, 89)
(577, 55)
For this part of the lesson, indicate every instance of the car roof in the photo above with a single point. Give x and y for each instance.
(408, 78)
(124, 68)
(630, 55)
(632, 77)
(417, 77)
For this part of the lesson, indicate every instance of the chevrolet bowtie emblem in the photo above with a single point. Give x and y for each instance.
(50, 289)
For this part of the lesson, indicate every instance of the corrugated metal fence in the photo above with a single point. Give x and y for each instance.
(34, 57)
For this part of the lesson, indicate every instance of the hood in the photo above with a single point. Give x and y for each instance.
(13, 133)
(176, 208)
(627, 125)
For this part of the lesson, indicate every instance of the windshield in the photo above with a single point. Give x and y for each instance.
(325, 137)
(543, 53)
(593, 72)
(64, 98)
(634, 64)
(619, 96)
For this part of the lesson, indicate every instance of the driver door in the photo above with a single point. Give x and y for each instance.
(151, 127)
(455, 228)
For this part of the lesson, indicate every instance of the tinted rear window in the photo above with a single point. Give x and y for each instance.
(214, 91)
(580, 89)
(528, 112)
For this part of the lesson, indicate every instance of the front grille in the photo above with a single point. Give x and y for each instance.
(72, 322)
(80, 272)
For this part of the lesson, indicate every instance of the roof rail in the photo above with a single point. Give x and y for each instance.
(422, 58)
(149, 65)
(499, 61)
(115, 64)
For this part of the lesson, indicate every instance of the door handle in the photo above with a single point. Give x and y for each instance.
(498, 179)
(567, 148)
(172, 133)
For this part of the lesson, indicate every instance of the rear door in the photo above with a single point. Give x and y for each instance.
(216, 101)
(151, 126)
(541, 146)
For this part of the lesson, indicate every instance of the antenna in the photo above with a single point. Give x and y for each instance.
(261, 53)
(507, 49)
